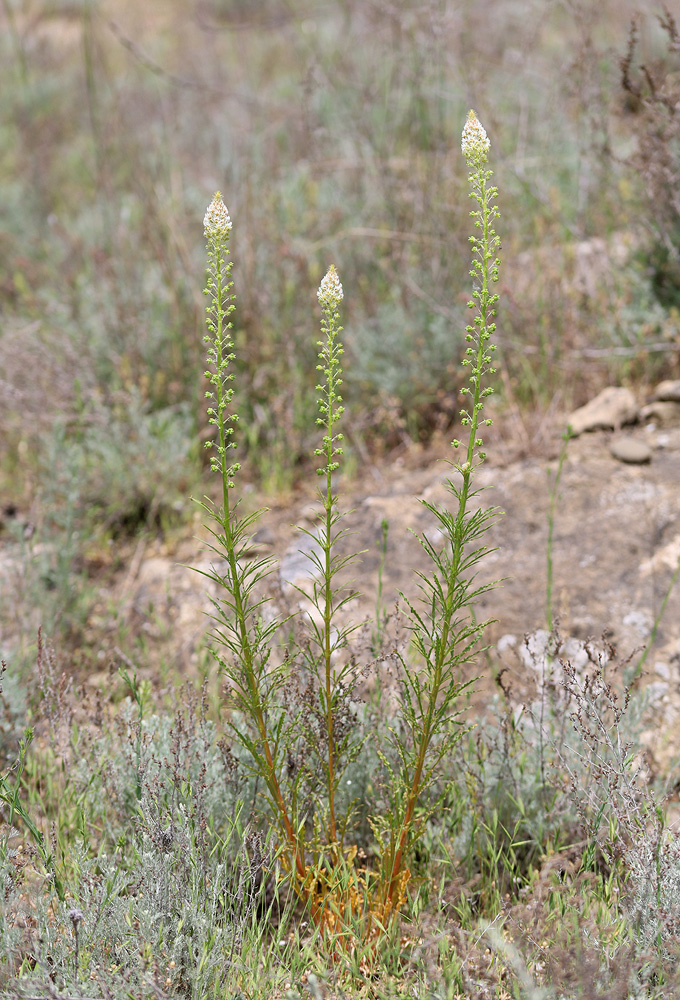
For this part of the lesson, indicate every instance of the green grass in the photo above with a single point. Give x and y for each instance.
(520, 884)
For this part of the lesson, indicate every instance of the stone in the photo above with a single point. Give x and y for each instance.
(311, 513)
(259, 545)
(665, 558)
(631, 451)
(546, 654)
(661, 410)
(609, 410)
(641, 621)
(298, 566)
(507, 641)
(656, 691)
(668, 390)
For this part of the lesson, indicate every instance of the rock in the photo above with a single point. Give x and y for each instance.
(310, 514)
(298, 567)
(663, 411)
(665, 558)
(656, 691)
(546, 656)
(631, 451)
(507, 641)
(610, 410)
(260, 544)
(640, 621)
(668, 390)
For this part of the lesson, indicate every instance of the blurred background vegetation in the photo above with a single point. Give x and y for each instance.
(333, 132)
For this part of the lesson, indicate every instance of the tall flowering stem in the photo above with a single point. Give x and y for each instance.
(330, 296)
(447, 636)
(328, 636)
(238, 627)
(484, 272)
(217, 227)
(334, 887)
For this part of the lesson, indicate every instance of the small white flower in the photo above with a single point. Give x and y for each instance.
(330, 289)
(216, 218)
(475, 143)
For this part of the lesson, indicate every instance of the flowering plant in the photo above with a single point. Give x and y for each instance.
(301, 749)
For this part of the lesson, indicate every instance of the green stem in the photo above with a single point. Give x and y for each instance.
(328, 611)
(331, 416)
(237, 593)
(441, 643)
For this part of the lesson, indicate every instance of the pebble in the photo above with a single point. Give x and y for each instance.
(631, 451)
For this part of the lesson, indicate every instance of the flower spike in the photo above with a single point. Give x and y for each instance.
(216, 221)
(475, 143)
(330, 289)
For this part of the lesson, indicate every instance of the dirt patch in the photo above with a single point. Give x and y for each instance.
(616, 545)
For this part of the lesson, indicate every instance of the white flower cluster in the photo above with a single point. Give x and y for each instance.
(216, 219)
(330, 289)
(475, 143)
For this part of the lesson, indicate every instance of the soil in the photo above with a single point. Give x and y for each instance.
(615, 548)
